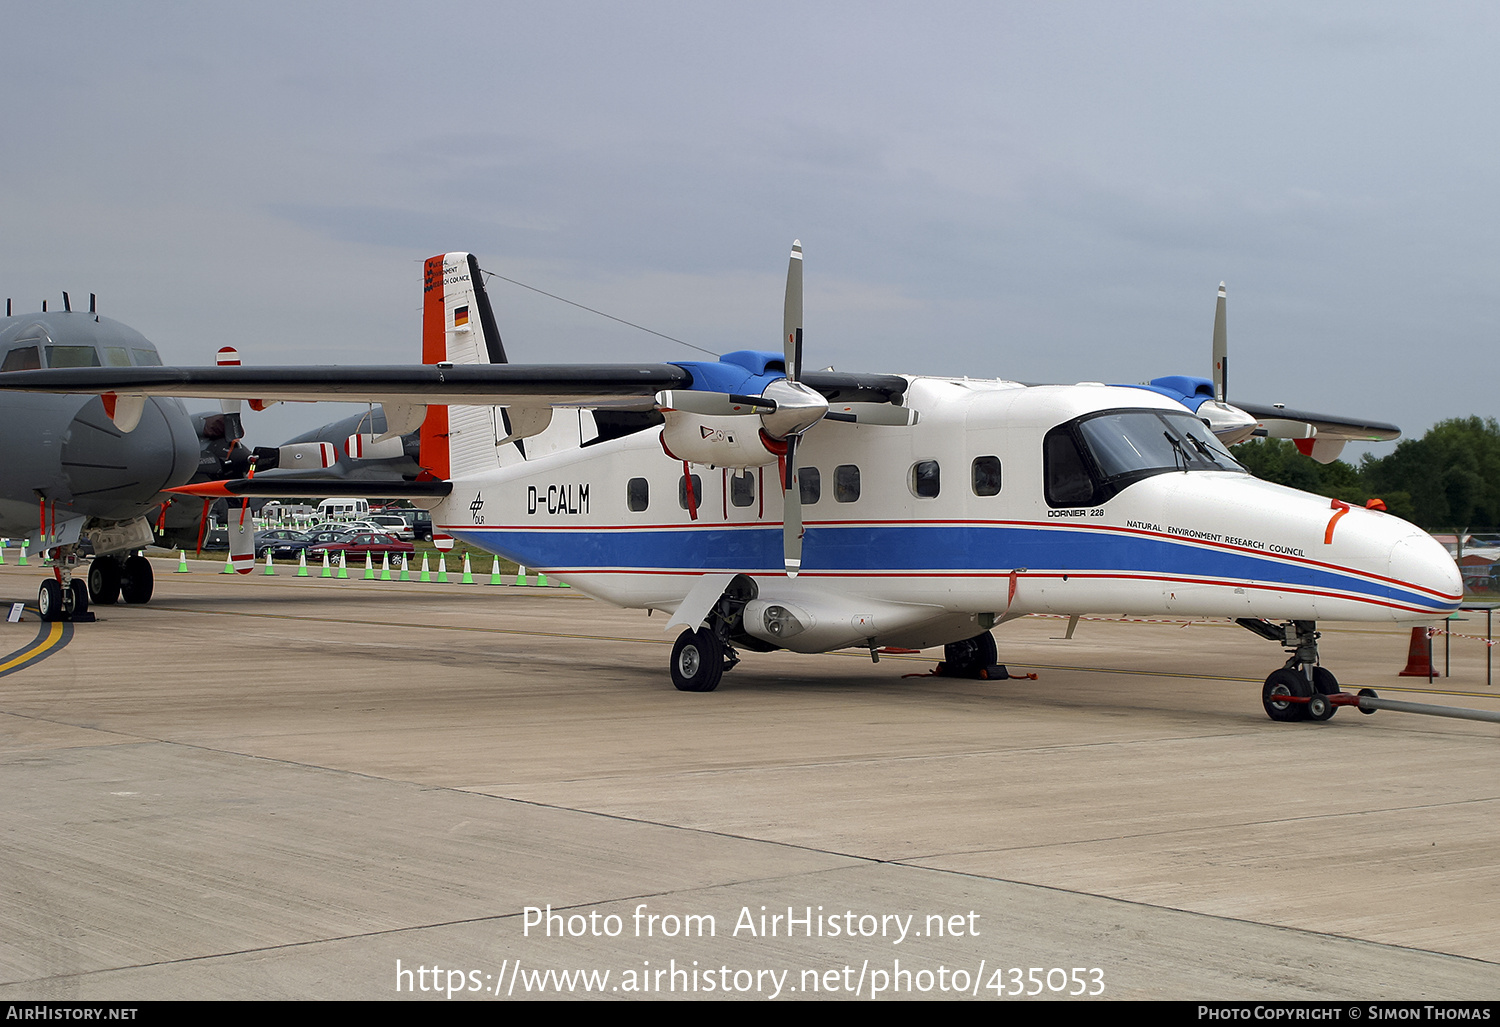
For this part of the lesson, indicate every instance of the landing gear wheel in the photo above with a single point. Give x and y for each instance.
(697, 661)
(1324, 685)
(49, 600)
(970, 656)
(104, 580)
(137, 581)
(80, 598)
(1281, 684)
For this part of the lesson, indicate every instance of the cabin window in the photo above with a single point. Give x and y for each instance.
(682, 496)
(742, 489)
(22, 358)
(926, 480)
(637, 494)
(72, 356)
(810, 483)
(986, 476)
(845, 483)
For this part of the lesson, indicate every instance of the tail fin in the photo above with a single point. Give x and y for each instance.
(458, 327)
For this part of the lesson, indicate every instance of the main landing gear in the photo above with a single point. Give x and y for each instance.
(1301, 690)
(699, 660)
(112, 578)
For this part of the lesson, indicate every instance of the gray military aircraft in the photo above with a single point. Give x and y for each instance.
(93, 469)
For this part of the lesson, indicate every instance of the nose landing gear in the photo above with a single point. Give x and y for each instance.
(1301, 690)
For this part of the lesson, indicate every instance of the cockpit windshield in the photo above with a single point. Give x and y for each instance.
(1094, 457)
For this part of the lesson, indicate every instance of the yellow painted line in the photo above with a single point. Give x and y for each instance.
(53, 635)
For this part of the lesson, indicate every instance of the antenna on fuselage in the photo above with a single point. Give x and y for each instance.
(44, 306)
(93, 304)
(67, 304)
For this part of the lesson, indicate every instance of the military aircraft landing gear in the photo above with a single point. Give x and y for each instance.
(137, 580)
(1299, 690)
(104, 580)
(62, 596)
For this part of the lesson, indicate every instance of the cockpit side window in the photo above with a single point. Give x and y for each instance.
(116, 356)
(22, 358)
(146, 358)
(72, 356)
(1094, 457)
(1068, 478)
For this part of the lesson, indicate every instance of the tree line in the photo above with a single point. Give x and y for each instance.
(1447, 480)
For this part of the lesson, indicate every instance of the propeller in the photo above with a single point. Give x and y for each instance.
(1229, 423)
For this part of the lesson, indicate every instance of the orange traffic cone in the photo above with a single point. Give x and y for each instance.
(1419, 656)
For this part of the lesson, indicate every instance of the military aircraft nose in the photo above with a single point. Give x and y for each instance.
(1420, 561)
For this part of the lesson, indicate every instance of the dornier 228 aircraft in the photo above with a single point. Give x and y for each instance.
(77, 468)
(766, 507)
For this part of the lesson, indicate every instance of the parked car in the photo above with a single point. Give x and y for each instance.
(373, 542)
(268, 538)
(393, 524)
(293, 548)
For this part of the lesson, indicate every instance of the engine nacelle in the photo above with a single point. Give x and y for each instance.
(719, 441)
(365, 446)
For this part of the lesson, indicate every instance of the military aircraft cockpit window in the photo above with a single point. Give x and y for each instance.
(846, 483)
(116, 356)
(810, 482)
(926, 479)
(146, 358)
(742, 489)
(682, 487)
(637, 494)
(22, 358)
(986, 476)
(1095, 457)
(72, 356)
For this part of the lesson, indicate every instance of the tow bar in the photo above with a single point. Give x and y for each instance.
(1318, 706)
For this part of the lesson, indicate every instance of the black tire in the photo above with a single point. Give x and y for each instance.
(697, 661)
(1324, 683)
(1285, 683)
(104, 580)
(970, 656)
(80, 597)
(49, 600)
(137, 581)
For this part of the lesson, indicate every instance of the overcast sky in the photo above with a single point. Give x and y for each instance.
(1038, 191)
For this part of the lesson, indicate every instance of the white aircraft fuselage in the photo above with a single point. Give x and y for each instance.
(885, 565)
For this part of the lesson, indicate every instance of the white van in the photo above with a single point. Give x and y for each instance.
(343, 510)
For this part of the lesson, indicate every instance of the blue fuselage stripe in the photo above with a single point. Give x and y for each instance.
(888, 548)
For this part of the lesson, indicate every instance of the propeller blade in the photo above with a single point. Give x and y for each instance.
(791, 317)
(1221, 349)
(713, 404)
(872, 413)
(791, 517)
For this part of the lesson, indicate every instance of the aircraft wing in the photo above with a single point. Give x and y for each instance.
(1320, 436)
(617, 386)
(1326, 425)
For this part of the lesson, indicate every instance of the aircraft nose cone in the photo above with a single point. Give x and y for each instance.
(1420, 561)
